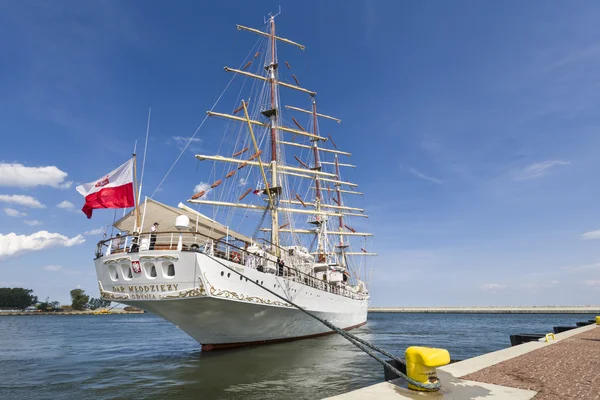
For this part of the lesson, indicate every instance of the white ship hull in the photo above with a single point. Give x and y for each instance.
(217, 307)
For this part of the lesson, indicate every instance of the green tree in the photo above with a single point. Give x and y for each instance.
(79, 299)
(17, 298)
(48, 305)
(98, 303)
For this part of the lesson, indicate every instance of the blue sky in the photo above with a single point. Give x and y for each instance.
(474, 126)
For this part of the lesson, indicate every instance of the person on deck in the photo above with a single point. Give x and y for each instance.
(153, 231)
(116, 244)
(280, 265)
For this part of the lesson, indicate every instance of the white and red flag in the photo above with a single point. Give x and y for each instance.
(114, 190)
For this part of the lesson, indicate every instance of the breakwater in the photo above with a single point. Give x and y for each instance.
(589, 309)
(23, 313)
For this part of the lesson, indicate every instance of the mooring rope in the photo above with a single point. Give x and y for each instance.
(358, 342)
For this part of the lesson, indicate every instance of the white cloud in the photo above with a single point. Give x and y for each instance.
(59, 268)
(182, 142)
(12, 244)
(94, 232)
(202, 186)
(26, 201)
(492, 287)
(591, 235)
(67, 205)
(538, 285)
(18, 175)
(11, 212)
(423, 176)
(582, 268)
(593, 282)
(33, 222)
(538, 169)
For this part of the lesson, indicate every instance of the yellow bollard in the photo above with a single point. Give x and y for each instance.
(598, 320)
(548, 336)
(421, 363)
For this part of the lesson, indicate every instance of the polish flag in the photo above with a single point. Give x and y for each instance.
(114, 190)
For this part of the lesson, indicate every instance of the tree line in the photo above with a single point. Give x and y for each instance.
(21, 298)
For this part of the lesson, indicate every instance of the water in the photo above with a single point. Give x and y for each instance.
(143, 357)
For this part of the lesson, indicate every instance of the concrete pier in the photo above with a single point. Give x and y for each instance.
(591, 309)
(564, 368)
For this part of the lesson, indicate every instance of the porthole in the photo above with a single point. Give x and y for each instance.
(241, 277)
(171, 270)
(153, 271)
(228, 274)
(222, 273)
(261, 282)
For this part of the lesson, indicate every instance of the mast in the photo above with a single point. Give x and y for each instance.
(316, 151)
(273, 117)
(339, 199)
(341, 246)
(321, 222)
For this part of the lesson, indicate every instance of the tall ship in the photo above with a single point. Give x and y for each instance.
(274, 213)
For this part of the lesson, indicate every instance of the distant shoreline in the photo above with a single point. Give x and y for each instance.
(490, 310)
(13, 314)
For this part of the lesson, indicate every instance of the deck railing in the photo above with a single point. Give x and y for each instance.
(233, 250)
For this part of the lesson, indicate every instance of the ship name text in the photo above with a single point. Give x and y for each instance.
(140, 289)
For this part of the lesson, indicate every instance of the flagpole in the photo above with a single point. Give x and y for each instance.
(135, 189)
(144, 159)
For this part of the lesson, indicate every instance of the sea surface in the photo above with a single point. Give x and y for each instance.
(144, 357)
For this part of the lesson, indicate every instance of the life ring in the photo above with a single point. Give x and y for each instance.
(235, 257)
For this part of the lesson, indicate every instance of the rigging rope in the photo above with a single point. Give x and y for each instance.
(363, 345)
(200, 126)
(260, 223)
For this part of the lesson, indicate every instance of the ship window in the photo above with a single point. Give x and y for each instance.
(126, 272)
(150, 270)
(222, 273)
(228, 274)
(241, 277)
(112, 272)
(168, 269)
